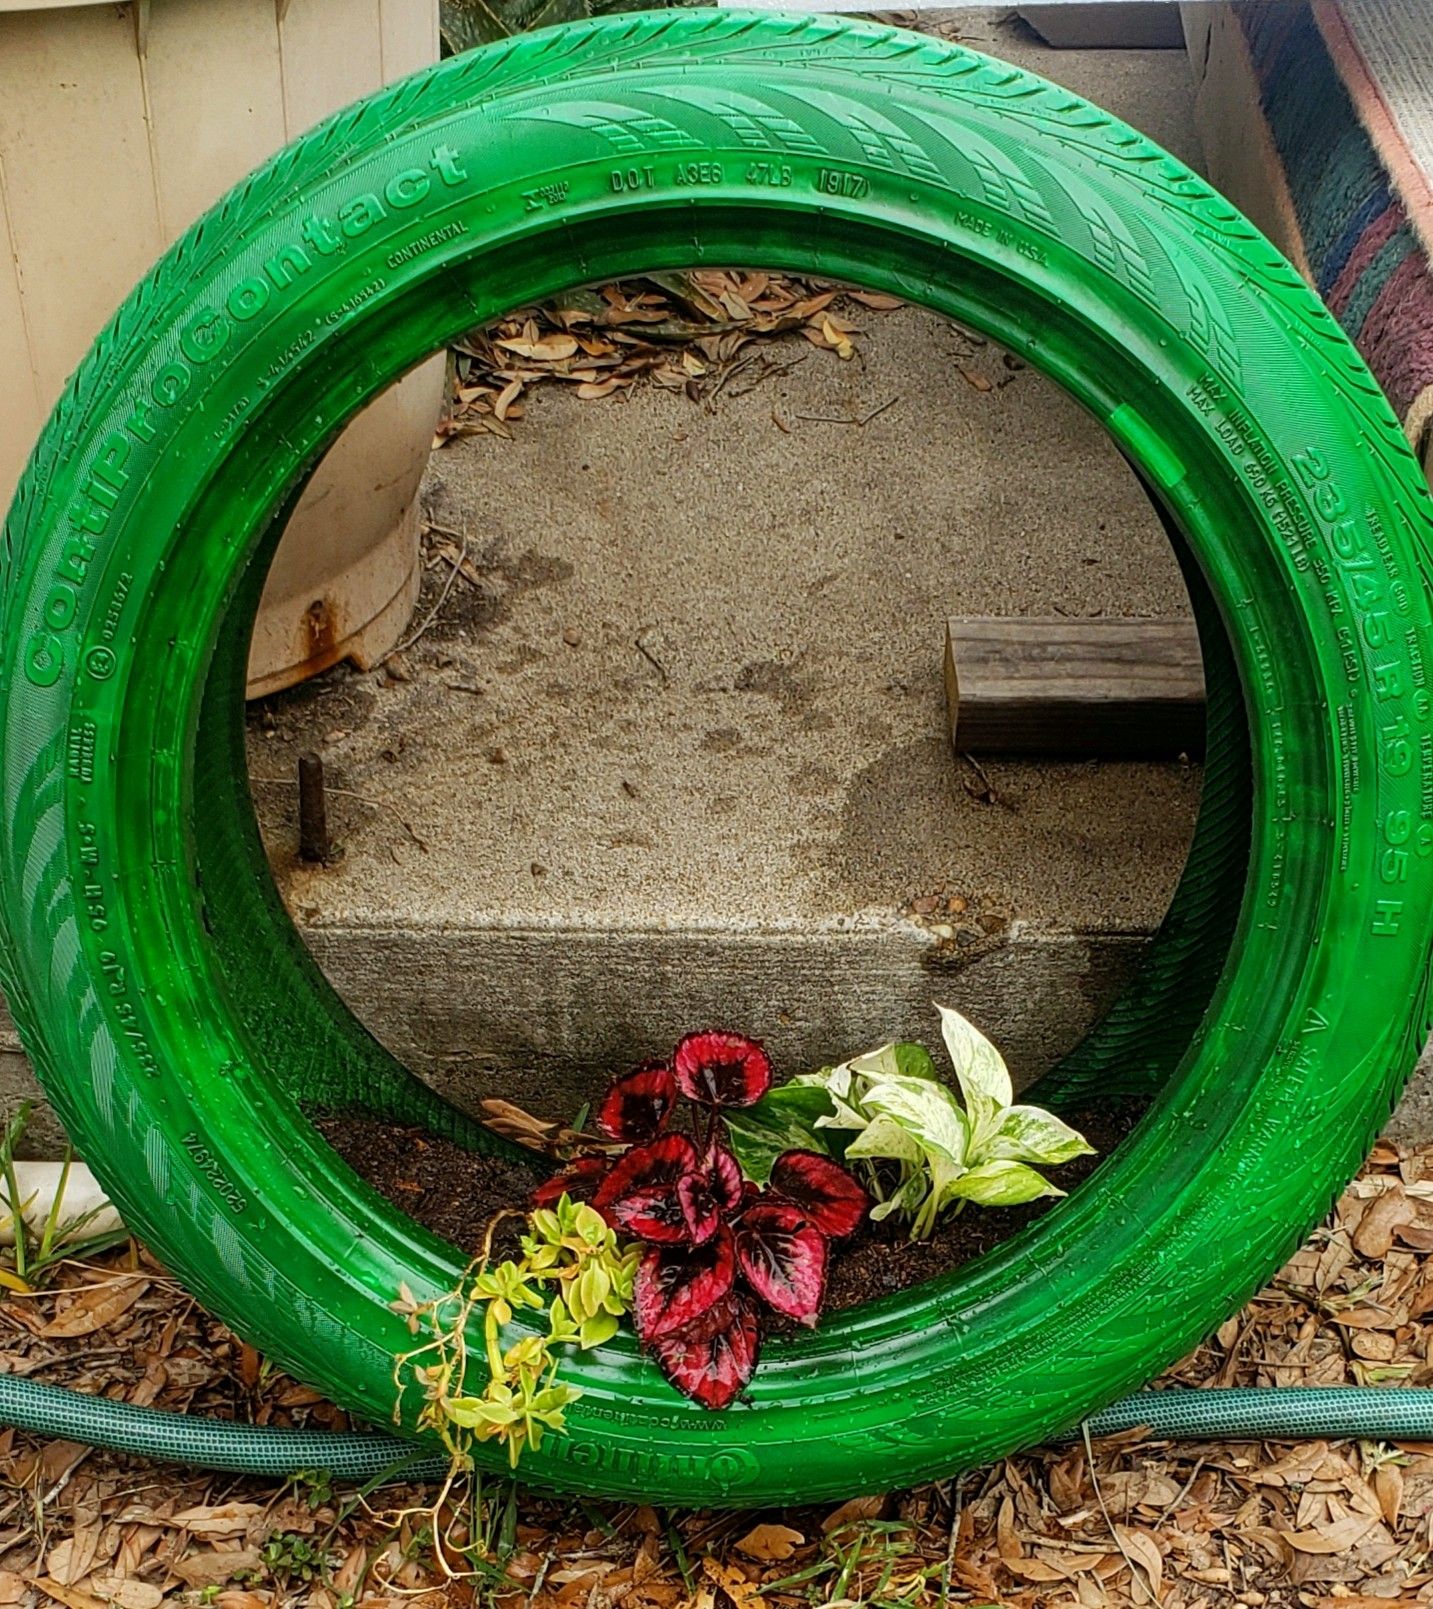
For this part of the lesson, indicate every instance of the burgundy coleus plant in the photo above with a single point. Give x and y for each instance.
(718, 1248)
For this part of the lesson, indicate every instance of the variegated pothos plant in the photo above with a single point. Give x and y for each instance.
(922, 1152)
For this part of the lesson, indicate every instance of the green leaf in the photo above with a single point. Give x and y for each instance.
(1031, 1134)
(885, 1137)
(560, 1328)
(474, 1413)
(554, 1399)
(782, 1120)
(914, 1061)
(926, 1110)
(906, 1201)
(999, 1184)
(593, 1284)
(590, 1224)
(598, 1330)
(984, 1078)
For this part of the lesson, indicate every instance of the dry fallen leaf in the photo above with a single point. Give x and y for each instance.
(853, 1511)
(350, 1572)
(1332, 1538)
(126, 1592)
(744, 1594)
(505, 399)
(222, 1520)
(1388, 1487)
(548, 349)
(70, 1561)
(71, 1597)
(1134, 1488)
(768, 1543)
(1144, 1551)
(95, 1307)
(595, 390)
(212, 1567)
(1382, 1218)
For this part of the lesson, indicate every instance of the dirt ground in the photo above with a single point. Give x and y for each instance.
(1128, 1521)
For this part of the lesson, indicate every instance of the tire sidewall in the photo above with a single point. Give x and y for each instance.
(1320, 586)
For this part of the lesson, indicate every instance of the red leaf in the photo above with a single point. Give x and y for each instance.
(578, 1181)
(783, 1259)
(648, 1167)
(675, 1287)
(829, 1198)
(724, 1172)
(640, 1193)
(700, 1212)
(653, 1215)
(721, 1069)
(710, 1194)
(712, 1359)
(638, 1105)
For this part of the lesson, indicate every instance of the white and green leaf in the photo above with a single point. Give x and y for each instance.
(1031, 1134)
(904, 1202)
(885, 1138)
(999, 1184)
(927, 1111)
(889, 1107)
(981, 1072)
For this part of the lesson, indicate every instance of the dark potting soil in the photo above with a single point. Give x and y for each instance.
(451, 1191)
(457, 1194)
(880, 1260)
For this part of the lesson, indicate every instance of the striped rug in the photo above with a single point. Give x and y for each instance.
(1359, 194)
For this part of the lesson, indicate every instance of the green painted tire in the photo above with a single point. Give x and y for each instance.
(170, 1008)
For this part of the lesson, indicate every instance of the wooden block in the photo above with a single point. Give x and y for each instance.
(1113, 688)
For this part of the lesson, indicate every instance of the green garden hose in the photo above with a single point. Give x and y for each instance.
(1258, 1413)
(170, 1007)
(1290, 1413)
(181, 1438)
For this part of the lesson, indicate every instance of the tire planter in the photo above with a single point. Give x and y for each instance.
(169, 1005)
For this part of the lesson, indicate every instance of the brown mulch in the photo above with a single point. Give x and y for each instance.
(1328, 1525)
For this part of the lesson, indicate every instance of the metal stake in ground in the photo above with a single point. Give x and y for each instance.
(314, 841)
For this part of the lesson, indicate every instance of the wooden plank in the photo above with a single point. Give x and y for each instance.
(410, 36)
(333, 53)
(21, 406)
(1113, 688)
